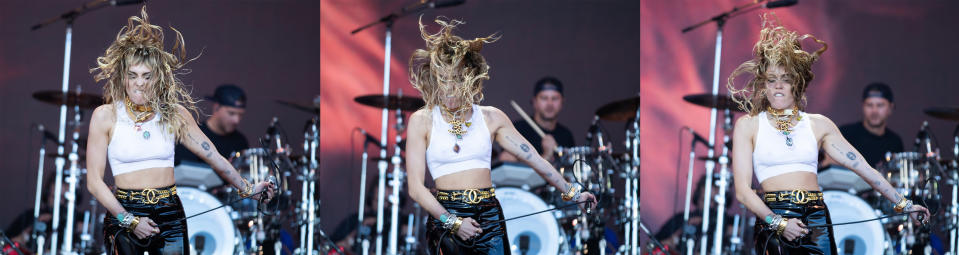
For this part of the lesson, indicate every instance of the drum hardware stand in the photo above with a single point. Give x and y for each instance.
(723, 185)
(399, 178)
(363, 232)
(689, 231)
(632, 190)
(39, 228)
(309, 203)
(953, 211)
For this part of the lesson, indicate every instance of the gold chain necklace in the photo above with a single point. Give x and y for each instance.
(784, 121)
(458, 126)
(141, 113)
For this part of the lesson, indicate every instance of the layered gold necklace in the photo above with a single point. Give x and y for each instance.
(140, 113)
(784, 121)
(458, 124)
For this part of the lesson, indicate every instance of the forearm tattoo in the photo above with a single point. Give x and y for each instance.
(233, 176)
(556, 180)
(874, 177)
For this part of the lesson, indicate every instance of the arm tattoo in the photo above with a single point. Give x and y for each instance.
(524, 147)
(851, 156)
(205, 145)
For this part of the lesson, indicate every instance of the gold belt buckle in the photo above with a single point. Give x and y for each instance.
(799, 197)
(471, 196)
(150, 196)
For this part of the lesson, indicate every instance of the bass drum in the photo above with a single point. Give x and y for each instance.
(214, 231)
(540, 233)
(865, 238)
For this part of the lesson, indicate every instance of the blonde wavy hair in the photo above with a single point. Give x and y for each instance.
(449, 65)
(777, 46)
(140, 42)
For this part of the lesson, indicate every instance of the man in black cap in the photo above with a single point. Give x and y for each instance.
(871, 136)
(547, 103)
(229, 105)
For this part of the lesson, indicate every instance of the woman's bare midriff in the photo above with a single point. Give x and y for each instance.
(791, 181)
(478, 178)
(149, 178)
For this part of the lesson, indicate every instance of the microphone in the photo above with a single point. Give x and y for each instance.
(780, 3)
(125, 2)
(424, 4)
(698, 138)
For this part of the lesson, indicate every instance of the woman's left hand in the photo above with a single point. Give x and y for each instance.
(265, 196)
(917, 210)
(586, 196)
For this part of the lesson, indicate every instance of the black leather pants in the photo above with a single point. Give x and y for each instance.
(172, 239)
(493, 240)
(820, 240)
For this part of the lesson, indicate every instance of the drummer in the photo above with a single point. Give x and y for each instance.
(871, 136)
(229, 105)
(547, 103)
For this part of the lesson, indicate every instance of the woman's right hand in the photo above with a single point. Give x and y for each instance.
(795, 229)
(146, 228)
(469, 229)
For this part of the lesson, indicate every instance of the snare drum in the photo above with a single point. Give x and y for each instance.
(859, 239)
(215, 228)
(542, 231)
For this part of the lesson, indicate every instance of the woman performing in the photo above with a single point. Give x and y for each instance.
(146, 111)
(452, 135)
(779, 141)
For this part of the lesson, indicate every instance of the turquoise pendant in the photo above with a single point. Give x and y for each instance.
(146, 135)
(789, 141)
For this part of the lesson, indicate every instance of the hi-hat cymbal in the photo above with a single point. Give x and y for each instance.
(622, 110)
(301, 107)
(392, 102)
(721, 101)
(84, 100)
(943, 113)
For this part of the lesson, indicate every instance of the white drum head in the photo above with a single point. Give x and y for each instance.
(215, 227)
(542, 230)
(865, 238)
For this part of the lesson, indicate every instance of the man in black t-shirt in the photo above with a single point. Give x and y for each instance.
(547, 103)
(871, 136)
(229, 105)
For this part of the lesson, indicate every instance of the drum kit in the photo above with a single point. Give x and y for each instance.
(921, 175)
(595, 166)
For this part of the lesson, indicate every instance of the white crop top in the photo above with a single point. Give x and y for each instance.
(773, 157)
(131, 150)
(475, 148)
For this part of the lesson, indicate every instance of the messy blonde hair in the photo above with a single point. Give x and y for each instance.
(777, 46)
(140, 42)
(449, 60)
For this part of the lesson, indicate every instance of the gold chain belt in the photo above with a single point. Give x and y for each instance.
(798, 196)
(147, 196)
(469, 196)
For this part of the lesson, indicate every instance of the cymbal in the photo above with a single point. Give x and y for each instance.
(622, 110)
(943, 113)
(392, 102)
(301, 107)
(84, 100)
(721, 101)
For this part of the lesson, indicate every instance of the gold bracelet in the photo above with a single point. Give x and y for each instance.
(456, 225)
(782, 226)
(246, 191)
(133, 224)
(570, 193)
